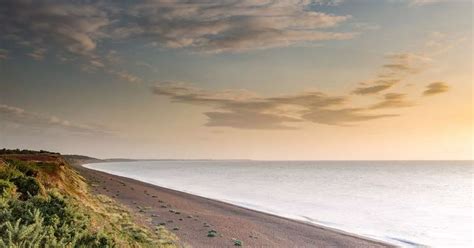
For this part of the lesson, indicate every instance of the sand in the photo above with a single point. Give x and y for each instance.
(191, 217)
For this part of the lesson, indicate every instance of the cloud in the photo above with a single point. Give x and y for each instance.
(435, 88)
(375, 87)
(398, 67)
(125, 76)
(237, 108)
(249, 120)
(328, 2)
(79, 31)
(406, 63)
(341, 116)
(246, 110)
(392, 100)
(439, 43)
(38, 53)
(365, 26)
(74, 26)
(206, 26)
(230, 26)
(425, 2)
(33, 120)
(145, 65)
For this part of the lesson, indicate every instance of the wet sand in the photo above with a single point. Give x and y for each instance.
(191, 218)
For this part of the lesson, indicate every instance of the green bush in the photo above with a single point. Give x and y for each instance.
(7, 173)
(212, 233)
(28, 169)
(27, 186)
(7, 189)
(47, 222)
(237, 242)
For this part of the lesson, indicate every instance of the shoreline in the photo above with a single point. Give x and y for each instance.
(231, 221)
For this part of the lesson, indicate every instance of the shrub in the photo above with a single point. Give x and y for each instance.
(7, 173)
(212, 233)
(28, 169)
(7, 189)
(34, 231)
(27, 186)
(237, 242)
(98, 240)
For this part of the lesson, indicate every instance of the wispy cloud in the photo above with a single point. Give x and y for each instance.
(375, 87)
(74, 26)
(231, 26)
(328, 2)
(34, 120)
(435, 88)
(393, 100)
(71, 26)
(75, 29)
(425, 2)
(398, 67)
(125, 76)
(342, 117)
(38, 53)
(246, 110)
(249, 120)
(439, 42)
(206, 26)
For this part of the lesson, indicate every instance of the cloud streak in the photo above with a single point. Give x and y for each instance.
(398, 67)
(246, 110)
(76, 27)
(342, 117)
(40, 121)
(230, 26)
(435, 88)
(393, 100)
(425, 2)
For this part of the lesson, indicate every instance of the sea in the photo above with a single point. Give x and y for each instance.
(405, 203)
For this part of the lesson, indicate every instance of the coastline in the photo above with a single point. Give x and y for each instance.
(191, 216)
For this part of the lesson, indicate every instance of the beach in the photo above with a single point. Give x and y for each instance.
(191, 218)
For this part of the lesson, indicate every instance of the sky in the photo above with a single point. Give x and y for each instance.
(250, 79)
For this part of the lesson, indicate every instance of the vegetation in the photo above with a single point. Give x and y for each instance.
(24, 151)
(237, 242)
(45, 203)
(212, 233)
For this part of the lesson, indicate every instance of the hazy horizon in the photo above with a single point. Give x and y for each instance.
(252, 79)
